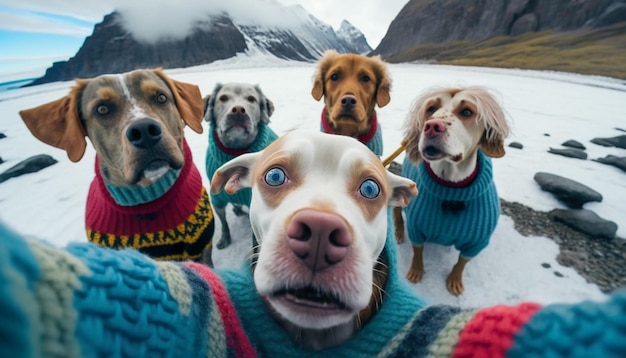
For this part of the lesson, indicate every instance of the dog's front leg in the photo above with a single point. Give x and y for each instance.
(454, 283)
(225, 239)
(417, 265)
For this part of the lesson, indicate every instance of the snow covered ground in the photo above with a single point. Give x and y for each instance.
(50, 204)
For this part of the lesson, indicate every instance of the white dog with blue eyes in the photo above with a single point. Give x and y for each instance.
(319, 212)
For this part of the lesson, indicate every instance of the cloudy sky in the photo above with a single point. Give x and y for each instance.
(35, 33)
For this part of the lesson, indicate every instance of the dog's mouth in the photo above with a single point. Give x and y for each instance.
(154, 170)
(310, 297)
(432, 153)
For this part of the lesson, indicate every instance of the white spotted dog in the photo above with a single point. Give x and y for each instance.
(451, 133)
(319, 212)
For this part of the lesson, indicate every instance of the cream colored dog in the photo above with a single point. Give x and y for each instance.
(319, 212)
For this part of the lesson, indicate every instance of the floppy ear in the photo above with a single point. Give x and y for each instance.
(209, 104)
(413, 128)
(57, 123)
(402, 190)
(496, 125)
(318, 85)
(207, 112)
(188, 101)
(322, 67)
(383, 92)
(235, 174)
(267, 106)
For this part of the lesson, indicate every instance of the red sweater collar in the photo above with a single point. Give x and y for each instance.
(461, 184)
(363, 138)
(229, 151)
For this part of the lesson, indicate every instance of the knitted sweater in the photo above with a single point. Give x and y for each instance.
(217, 154)
(91, 301)
(461, 216)
(373, 139)
(177, 225)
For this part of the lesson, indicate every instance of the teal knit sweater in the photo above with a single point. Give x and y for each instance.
(464, 217)
(90, 301)
(217, 155)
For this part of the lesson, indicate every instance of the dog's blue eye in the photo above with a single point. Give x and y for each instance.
(275, 177)
(334, 77)
(369, 189)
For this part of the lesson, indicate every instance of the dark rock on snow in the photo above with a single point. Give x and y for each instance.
(2, 135)
(516, 145)
(570, 192)
(573, 144)
(619, 162)
(569, 152)
(619, 141)
(30, 165)
(586, 221)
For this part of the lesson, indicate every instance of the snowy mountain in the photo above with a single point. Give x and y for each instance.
(354, 37)
(116, 46)
(50, 204)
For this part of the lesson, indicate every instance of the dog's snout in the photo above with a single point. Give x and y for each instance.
(319, 239)
(348, 101)
(144, 133)
(238, 110)
(434, 128)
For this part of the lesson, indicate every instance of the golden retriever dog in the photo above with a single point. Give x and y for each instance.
(147, 193)
(451, 134)
(352, 85)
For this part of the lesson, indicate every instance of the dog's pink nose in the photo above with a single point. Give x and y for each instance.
(348, 101)
(238, 110)
(434, 128)
(319, 239)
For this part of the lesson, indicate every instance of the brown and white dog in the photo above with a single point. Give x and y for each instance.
(147, 192)
(450, 135)
(352, 85)
(319, 212)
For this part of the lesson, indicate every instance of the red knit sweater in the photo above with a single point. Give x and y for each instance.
(176, 226)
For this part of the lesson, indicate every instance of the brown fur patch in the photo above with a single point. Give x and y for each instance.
(273, 157)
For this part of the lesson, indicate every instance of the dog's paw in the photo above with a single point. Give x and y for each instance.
(399, 233)
(455, 284)
(415, 274)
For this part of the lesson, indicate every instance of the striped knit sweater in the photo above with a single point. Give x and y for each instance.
(373, 139)
(95, 302)
(217, 154)
(174, 223)
(461, 216)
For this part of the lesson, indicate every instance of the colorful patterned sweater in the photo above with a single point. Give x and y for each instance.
(373, 139)
(91, 301)
(217, 154)
(450, 215)
(173, 220)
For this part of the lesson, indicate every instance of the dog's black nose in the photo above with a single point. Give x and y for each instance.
(319, 239)
(144, 133)
(348, 101)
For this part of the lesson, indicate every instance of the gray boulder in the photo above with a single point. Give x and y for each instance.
(30, 165)
(570, 192)
(569, 152)
(585, 221)
(619, 141)
(573, 144)
(619, 162)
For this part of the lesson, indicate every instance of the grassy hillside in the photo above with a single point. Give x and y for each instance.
(597, 52)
